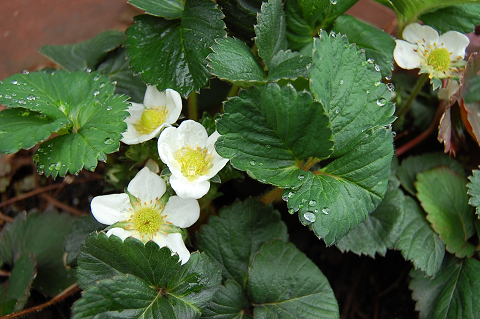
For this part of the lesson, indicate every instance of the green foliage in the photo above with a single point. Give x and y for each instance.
(410, 10)
(170, 54)
(350, 89)
(232, 59)
(240, 16)
(247, 241)
(453, 293)
(90, 115)
(306, 17)
(474, 190)
(284, 127)
(15, 291)
(380, 230)
(378, 45)
(411, 166)
(85, 55)
(301, 290)
(170, 9)
(443, 195)
(80, 230)
(418, 242)
(461, 17)
(131, 279)
(42, 236)
(233, 238)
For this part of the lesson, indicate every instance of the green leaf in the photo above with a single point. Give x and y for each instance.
(443, 195)
(267, 131)
(378, 45)
(338, 197)
(83, 100)
(80, 230)
(84, 55)
(117, 68)
(299, 31)
(128, 276)
(462, 18)
(350, 89)
(380, 230)
(233, 60)
(452, 294)
(228, 302)
(15, 291)
(240, 17)
(170, 9)
(41, 235)
(284, 283)
(474, 190)
(232, 239)
(288, 65)
(410, 167)
(418, 241)
(410, 10)
(21, 128)
(270, 31)
(172, 53)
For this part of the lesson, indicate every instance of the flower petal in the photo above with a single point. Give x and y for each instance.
(147, 185)
(154, 97)
(173, 105)
(417, 33)
(186, 189)
(217, 161)
(193, 134)
(119, 232)
(182, 212)
(456, 43)
(108, 209)
(175, 243)
(405, 55)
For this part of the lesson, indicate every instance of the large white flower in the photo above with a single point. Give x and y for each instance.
(147, 213)
(439, 56)
(159, 109)
(190, 155)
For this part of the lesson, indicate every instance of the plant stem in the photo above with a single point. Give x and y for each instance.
(271, 196)
(192, 106)
(416, 89)
(233, 90)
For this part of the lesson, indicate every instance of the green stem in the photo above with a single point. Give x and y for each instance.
(233, 90)
(416, 89)
(192, 106)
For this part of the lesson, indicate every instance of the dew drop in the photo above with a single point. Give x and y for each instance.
(334, 2)
(381, 102)
(370, 61)
(309, 216)
(109, 108)
(97, 77)
(326, 210)
(96, 92)
(109, 141)
(341, 82)
(88, 70)
(41, 167)
(377, 68)
(291, 194)
(7, 96)
(312, 203)
(31, 97)
(51, 167)
(14, 82)
(252, 163)
(260, 164)
(25, 72)
(58, 166)
(21, 101)
(388, 78)
(268, 146)
(102, 85)
(378, 83)
(394, 134)
(337, 111)
(391, 87)
(300, 177)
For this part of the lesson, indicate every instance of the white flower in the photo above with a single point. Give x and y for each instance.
(439, 56)
(191, 157)
(147, 213)
(159, 109)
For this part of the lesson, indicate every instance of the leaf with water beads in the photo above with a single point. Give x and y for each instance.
(83, 104)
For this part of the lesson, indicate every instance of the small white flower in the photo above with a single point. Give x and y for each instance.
(147, 213)
(159, 110)
(191, 157)
(439, 56)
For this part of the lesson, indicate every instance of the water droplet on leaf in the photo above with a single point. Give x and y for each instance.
(326, 210)
(252, 163)
(309, 216)
(381, 102)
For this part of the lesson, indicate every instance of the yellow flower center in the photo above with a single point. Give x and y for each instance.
(147, 221)
(439, 59)
(151, 119)
(194, 162)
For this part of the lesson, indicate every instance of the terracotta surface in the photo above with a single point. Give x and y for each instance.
(26, 25)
